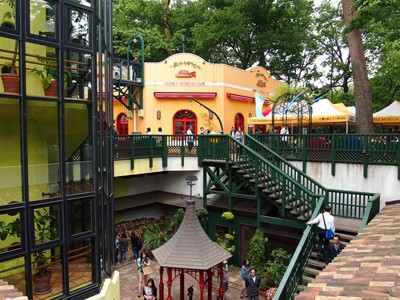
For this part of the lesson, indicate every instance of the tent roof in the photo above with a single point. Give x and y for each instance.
(190, 247)
(389, 114)
(323, 111)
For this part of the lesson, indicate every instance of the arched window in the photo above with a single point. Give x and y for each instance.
(182, 120)
(239, 121)
(122, 123)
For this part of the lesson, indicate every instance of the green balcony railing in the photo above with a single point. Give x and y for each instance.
(365, 149)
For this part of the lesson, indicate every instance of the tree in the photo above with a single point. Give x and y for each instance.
(364, 123)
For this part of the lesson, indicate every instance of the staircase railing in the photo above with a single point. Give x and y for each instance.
(346, 204)
(294, 195)
(293, 275)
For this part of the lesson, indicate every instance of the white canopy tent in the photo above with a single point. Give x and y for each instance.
(324, 112)
(390, 115)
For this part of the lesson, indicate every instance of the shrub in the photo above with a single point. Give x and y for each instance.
(256, 253)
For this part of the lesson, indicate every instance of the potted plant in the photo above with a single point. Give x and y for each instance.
(44, 218)
(9, 74)
(44, 230)
(48, 75)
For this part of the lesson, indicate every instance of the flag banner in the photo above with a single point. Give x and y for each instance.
(294, 99)
(259, 105)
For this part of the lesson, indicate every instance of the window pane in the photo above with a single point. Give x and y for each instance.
(77, 75)
(83, 2)
(78, 149)
(43, 18)
(46, 224)
(43, 75)
(80, 263)
(80, 215)
(10, 232)
(10, 152)
(9, 63)
(79, 27)
(47, 267)
(43, 150)
(13, 272)
(7, 9)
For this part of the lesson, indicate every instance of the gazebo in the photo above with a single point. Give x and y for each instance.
(190, 251)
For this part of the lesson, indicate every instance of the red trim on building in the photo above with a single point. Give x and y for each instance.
(183, 95)
(239, 97)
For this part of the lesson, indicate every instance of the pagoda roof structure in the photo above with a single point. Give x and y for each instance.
(190, 247)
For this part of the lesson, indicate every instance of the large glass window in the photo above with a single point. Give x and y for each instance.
(46, 224)
(80, 263)
(42, 70)
(10, 232)
(77, 75)
(8, 9)
(78, 148)
(10, 152)
(13, 272)
(43, 18)
(9, 63)
(43, 150)
(79, 27)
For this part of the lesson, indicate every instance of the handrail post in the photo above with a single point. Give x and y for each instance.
(132, 152)
(164, 150)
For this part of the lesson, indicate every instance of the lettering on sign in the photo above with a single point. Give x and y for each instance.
(184, 83)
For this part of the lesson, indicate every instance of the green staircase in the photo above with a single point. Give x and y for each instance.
(234, 169)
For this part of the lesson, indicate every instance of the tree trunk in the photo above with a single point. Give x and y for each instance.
(167, 31)
(364, 121)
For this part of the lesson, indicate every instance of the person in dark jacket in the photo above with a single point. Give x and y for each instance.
(335, 248)
(135, 245)
(252, 285)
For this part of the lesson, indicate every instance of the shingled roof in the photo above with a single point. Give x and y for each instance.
(190, 247)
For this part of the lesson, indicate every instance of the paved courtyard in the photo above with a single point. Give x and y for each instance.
(129, 286)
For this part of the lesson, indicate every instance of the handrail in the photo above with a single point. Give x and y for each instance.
(347, 204)
(294, 271)
(371, 210)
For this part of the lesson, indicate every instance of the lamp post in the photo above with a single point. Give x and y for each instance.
(310, 116)
(210, 111)
(190, 182)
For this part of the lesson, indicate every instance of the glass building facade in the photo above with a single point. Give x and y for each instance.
(56, 169)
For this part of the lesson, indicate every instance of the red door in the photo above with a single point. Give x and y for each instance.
(182, 120)
(239, 121)
(122, 123)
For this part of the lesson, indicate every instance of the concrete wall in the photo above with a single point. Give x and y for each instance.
(110, 289)
(381, 179)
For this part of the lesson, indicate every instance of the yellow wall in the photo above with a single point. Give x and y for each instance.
(218, 78)
(109, 290)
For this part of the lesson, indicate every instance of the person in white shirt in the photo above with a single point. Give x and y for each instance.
(284, 133)
(329, 223)
(190, 138)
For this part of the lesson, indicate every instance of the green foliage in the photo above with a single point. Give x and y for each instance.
(256, 252)
(202, 214)
(276, 268)
(228, 216)
(225, 242)
(157, 234)
(180, 213)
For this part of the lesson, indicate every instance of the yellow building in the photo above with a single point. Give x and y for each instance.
(169, 84)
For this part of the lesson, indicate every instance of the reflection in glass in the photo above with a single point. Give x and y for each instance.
(43, 18)
(78, 149)
(10, 152)
(46, 224)
(80, 216)
(13, 272)
(80, 263)
(43, 149)
(7, 9)
(78, 75)
(79, 27)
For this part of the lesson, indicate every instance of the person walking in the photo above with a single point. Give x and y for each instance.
(253, 285)
(135, 245)
(143, 261)
(225, 281)
(325, 221)
(245, 272)
(190, 138)
(116, 248)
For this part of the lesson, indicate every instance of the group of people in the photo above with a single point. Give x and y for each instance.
(251, 281)
(123, 243)
(326, 250)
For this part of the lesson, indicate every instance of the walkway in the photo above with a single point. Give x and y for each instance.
(128, 281)
(368, 268)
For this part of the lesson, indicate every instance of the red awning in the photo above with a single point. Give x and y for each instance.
(183, 95)
(239, 97)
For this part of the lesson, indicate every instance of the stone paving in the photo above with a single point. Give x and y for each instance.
(129, 286)
(368, 268)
